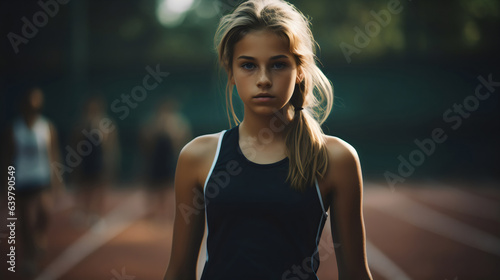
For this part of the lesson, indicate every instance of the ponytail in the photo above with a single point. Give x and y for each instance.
(304, 138)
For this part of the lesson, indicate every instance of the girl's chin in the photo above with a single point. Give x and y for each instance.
(265, 110)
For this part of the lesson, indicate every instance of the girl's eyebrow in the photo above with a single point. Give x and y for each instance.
(272, 58)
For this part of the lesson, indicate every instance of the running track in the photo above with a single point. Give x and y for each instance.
(433, 231)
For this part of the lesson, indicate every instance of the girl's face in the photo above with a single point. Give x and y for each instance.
(264, 72)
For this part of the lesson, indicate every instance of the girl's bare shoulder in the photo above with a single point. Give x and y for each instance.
(339, 150)
(201, 148)
(343, 162)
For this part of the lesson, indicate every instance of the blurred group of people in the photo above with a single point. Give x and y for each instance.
(32, 147)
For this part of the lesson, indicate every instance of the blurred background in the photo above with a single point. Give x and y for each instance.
(400, 70)
(394, 90)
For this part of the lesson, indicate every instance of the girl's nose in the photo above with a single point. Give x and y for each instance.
(264, 80)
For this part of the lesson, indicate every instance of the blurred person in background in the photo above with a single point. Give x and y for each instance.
(162, 140)
(98, 166)
(31, 147)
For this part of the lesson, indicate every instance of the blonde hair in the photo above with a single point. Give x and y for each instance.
(304, 138)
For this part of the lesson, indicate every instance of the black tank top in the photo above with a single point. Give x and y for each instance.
(258, 226)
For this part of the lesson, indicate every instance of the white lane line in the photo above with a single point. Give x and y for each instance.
(379, 262)
(119, 219)
(426, 218)
(489, 207)
(462, 202)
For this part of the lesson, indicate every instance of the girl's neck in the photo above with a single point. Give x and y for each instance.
(265, 128)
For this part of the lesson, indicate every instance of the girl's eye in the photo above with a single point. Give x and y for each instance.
(279, 65)
(248, 66)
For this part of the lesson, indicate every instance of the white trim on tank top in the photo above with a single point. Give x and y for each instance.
(320, 197)
(219, 144)
(325, 214)
(215, 160)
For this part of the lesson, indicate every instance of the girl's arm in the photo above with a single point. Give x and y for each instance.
(346, 214)
(192, 168)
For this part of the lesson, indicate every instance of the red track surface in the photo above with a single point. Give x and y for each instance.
(417, 232)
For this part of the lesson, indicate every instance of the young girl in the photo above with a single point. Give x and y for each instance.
(263, 188)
